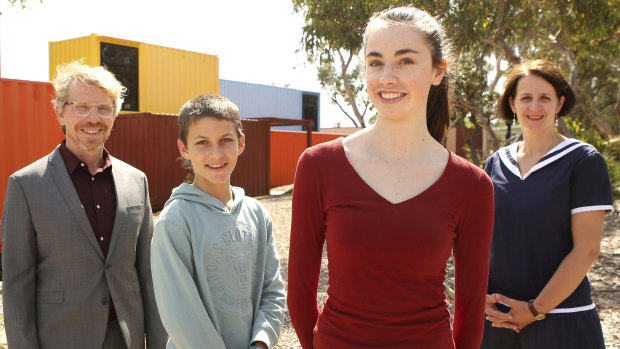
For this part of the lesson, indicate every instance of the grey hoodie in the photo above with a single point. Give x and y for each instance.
(216, 273)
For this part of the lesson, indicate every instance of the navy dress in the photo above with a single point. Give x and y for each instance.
(532, 235)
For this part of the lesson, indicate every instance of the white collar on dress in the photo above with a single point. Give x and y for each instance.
(509, 159)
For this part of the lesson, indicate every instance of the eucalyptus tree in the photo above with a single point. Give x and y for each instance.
(332, 37)
(581, 36)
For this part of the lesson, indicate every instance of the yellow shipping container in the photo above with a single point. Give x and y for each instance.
(159, 79)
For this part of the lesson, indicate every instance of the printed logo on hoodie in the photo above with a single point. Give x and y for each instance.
(229, 269)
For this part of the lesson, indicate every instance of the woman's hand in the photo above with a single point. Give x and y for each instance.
(517, 319)
(497, 317)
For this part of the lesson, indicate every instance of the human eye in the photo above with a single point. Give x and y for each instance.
(407, 61)
(82, 108)
(375, 64)
(105, 109)
(227, 140)
(526, 98)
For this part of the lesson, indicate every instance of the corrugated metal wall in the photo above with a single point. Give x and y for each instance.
(286, 147)
(253, 171)
(264, 101)
(149, 143)
(65, 51)
(29, 129)
(167, 77)
(170, 77)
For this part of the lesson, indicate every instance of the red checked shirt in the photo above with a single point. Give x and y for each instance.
(96, 193)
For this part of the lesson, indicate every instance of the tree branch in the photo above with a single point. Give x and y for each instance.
(498, 73)
(498, 36)
(478, 113)
(500, 31)
(344, 67)
(594, 114)
(336, 102)
(617, 108)
(570, 56)
(599, 42)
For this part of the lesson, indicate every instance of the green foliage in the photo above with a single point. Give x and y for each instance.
(22, 3)
(612, 157)
(609, 148)
(586, 133)
(332, 37)
(580, 36)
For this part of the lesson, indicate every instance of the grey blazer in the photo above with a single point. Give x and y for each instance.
(57, 284)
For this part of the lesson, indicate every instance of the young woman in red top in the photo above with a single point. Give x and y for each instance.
(392, 204)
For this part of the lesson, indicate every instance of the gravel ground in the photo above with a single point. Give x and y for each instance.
(604, 274)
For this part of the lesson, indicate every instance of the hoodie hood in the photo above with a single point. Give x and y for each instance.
(189, 192)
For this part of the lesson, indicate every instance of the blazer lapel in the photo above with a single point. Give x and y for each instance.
(121, 204)
(67, 190)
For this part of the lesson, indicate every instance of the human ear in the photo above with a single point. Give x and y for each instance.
(59, 117)
(562, 99)
(512, 104)
(241, 145)
(183, 149)
(440, 72)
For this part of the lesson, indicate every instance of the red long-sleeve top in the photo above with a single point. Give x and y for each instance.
(387, 261)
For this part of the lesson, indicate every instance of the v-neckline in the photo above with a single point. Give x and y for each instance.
(370, 188)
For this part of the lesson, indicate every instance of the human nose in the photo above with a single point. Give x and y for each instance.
(387, 75)
(215, 151)
(92, 114)
(535, 104)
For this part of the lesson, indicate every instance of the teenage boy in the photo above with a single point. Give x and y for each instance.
(215, 268)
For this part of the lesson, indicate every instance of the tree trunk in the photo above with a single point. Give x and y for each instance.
(347, 87)
(594, 114)
(601, 125)
(572, 78)
(489, 144)
(508, 130)
(617, 108)
(563, 129)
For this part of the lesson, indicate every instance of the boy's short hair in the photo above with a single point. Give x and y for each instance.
(208, 106)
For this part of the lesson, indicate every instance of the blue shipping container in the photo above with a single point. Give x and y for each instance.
(264, 101)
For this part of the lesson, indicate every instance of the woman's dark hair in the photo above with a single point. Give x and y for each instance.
(540, 68)
(440, 96)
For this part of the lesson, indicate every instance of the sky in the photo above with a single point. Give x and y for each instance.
(256, 41)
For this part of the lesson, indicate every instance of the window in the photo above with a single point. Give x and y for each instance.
(310, 105)
(122, 61)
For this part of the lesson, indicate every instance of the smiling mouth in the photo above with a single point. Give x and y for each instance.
(391, 95)
(535, 117)
(91, 131)
(216, 166)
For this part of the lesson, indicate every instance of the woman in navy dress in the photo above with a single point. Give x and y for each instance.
(551, 196)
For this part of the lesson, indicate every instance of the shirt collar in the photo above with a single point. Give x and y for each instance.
(508, 156)
(73, 163)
